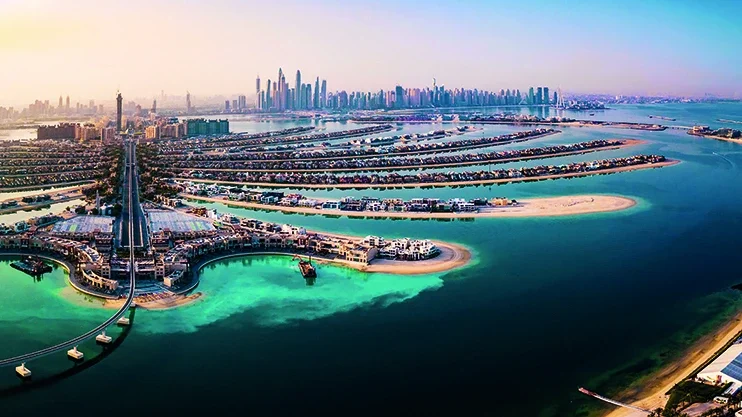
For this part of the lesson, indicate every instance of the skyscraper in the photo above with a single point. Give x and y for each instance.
(60, 103)
(531, 97)
(539, 95)
(67, 105)
(323, 95)
(119, 104)
(268, 101)
(279, 97)
(154, 106)
(188, 102)
(316, 94)
(546, 95)
(258, 104)
(399, 97)
(297, 88)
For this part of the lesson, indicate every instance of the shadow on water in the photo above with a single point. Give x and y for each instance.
(76, 368)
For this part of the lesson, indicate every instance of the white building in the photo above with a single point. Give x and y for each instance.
(726, 368)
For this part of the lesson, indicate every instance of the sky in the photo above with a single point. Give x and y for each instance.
(90, 49)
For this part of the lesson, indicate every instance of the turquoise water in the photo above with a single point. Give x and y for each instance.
(551, 303)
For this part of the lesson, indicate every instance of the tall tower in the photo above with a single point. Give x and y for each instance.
(188, 102)
(257, 92)
(60, 103)
(316, 93)
(67, 106)
(297, 88)
(279, 101)
(154, 106)
(323, 95)
(119, 103)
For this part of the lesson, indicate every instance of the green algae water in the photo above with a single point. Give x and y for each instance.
(550, 304)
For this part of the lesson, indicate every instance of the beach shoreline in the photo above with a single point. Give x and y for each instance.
(662, 381)
(666, 163)
(536, 207)
(165, 303)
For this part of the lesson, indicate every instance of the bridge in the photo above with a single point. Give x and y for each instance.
(131, 196)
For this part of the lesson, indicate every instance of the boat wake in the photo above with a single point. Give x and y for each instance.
(731, 163)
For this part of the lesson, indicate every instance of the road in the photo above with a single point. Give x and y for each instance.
(132, 195)
(134, 220)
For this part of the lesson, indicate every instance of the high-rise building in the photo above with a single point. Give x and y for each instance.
(310, 100)
(268, 96)
(119, 104)
(226, 105)
(539, 95)
(546, 95)
(258, 102)
(60, 103)
(67, 105)
(188, 102)
(154, 106)
(315, 103)
(531, 97)
(323, 95)
(398, 97)
(297, 87)
(280, 93)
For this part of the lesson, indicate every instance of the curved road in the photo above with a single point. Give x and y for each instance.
(129, 299)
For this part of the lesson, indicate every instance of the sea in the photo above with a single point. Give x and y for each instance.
(548, 304)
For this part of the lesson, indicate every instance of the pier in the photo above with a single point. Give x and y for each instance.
(614, 402)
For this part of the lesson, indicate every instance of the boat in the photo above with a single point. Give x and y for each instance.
(32, 266)
(661, 117)
(307, 269)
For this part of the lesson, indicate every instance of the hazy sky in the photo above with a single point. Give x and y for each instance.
(88, 49)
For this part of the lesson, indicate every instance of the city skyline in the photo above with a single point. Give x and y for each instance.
(684, 50)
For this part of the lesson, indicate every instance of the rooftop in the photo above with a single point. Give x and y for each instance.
(176, 222)
(85, 224)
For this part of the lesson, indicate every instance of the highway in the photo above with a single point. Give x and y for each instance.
(136, 219)
(132, 196)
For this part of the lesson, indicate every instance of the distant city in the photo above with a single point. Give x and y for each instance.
(277, 96)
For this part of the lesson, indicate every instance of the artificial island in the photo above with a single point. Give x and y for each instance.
(136, 234)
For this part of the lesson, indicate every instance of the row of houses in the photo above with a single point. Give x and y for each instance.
(94, 269)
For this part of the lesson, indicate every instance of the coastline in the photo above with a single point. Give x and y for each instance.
(666, 163)
(628, 143)
(42, 187)
(663, 380)
(43, 204)
(737, 141)
(536, 207)
(452, 256)
(165, 303)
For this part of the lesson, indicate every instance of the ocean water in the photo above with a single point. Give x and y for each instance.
(550, 304)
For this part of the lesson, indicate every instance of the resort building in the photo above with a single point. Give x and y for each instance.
(727, 368)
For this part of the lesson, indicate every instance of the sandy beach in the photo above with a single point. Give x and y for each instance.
(165, 303)
(60, 196)
(627, 143)
(536, 207)
(452, 256)
(666, 163)
(651, 394)
(46, 186)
